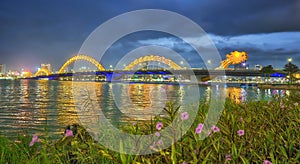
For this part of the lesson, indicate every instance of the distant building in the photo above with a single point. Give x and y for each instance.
(13, 73)
(83, 69)
(2, 68)
(47, 66)
(258, 67)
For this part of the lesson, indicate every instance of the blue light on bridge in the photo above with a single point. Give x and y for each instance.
(276, 74)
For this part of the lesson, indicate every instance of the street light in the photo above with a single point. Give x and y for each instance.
(208, 64)
(110, 66)
(290, 76)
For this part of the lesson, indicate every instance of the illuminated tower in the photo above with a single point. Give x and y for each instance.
(2, 68)
(46, 66)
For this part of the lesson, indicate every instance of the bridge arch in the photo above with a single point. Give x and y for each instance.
(41, 71)
(81, 57)
(148, 58)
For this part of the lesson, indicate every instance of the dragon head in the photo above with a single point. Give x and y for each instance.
(237, 57)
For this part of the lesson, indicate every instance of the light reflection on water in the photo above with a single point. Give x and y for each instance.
(29, 106)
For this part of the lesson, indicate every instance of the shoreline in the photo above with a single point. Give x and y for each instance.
(279, 86)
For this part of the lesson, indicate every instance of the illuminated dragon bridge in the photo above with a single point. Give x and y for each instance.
(81, 57)
(42, 71)
(234, 57)
(149, 58)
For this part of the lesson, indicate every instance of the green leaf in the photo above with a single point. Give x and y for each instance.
(234, 151)
(283, 151)
(173, 154)
(245, 161)
(206, 157)
(122, 156)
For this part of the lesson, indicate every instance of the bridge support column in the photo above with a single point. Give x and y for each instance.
(108, 77)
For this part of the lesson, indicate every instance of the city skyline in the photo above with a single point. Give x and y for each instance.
(52, 32)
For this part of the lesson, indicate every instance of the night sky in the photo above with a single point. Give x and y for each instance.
(34, 32)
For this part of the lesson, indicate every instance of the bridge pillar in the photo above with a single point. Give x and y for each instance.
(114, 77)
(108, 77)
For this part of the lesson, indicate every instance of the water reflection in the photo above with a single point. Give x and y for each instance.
(235, 94)
(124, 102)
(35, 106)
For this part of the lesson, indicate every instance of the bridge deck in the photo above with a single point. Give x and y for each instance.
(174, 72)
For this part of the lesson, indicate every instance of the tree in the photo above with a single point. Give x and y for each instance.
(291, 69)
(267, 70)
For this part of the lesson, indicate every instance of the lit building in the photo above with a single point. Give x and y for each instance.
(258, 67)
(14, 73)
(83, 69)
(46, 66)
(2, 68)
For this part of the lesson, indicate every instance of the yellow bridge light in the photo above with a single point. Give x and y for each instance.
(81, 57)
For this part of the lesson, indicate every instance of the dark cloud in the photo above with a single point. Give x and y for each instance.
(32, 32)
(241, 17)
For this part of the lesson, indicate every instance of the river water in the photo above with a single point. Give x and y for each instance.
(39, 106)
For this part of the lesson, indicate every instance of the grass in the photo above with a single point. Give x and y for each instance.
(271, 132)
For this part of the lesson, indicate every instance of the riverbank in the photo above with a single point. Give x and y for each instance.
(280, 86)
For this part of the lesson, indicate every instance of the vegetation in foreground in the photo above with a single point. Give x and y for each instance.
(249, 132)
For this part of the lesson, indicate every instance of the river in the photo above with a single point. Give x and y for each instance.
(39, 106)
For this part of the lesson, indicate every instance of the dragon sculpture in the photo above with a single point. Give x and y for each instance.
(234, 57)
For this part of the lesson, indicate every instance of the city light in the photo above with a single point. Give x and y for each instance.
(290, 59)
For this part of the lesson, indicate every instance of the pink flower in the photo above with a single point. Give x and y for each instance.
(34, 140)
(209, 133)
(281, 105)
(152, 147)
(199, 129)
(134, 123)
(184, 163)
(296, 104)
(69, 133)
(282, 92)
(159, 125)
(227, 157)
(267, 162)
(157, 134)
(241, 119)
(215, 129)
(196, 151)
(159, 142)
(274, 92)
(184, 116)
(240, 132)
